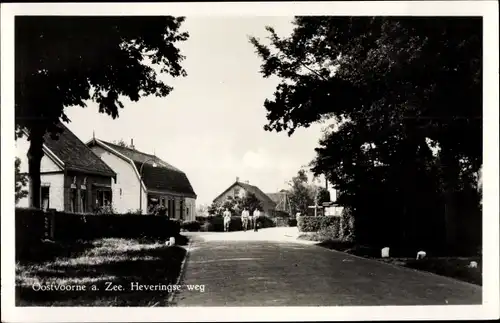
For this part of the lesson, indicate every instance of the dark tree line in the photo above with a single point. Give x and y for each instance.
(405, 98)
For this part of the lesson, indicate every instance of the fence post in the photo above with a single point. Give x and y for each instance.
(49, 224)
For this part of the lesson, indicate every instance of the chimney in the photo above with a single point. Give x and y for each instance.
(132, 143)
(248, 182)
(237, 179)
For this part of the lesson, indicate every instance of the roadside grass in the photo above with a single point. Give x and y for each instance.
(454, 267)
(99, 263)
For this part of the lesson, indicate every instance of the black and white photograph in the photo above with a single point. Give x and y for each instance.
(265, 161)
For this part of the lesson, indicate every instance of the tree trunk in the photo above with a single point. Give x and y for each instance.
(35, 154)
(451, 172)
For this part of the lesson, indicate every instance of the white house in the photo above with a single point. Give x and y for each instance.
(73, 178)
(145, 181)
(241, 189)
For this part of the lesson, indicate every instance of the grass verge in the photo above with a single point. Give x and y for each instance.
(454, 267)
(95, 270)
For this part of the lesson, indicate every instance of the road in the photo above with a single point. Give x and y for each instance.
(270, 268)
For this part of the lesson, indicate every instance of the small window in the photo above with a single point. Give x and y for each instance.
(236, 191)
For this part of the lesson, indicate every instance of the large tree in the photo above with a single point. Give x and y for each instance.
(391, 86)
(64, 61)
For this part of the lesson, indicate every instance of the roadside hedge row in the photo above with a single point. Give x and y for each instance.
(308, 223)
(33, 224)
(216, 223)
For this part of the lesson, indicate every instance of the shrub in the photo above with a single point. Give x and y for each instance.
(35, 224)
(316, 223)
(207, 227)
(201, 219)
(216, 223)
(347, 232)
(292, 222)
(281, 221)
(191, 226)
(266, 222)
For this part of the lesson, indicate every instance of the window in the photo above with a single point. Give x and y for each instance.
(72, 200)
(187, 212)
(153, 203)
(236, 191)
(103, 198)
(181, 210)
(83, 201)
(45, 197)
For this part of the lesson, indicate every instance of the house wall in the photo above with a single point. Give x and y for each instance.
(54, 180)
(22, 146)
(181, 204)
(241, 192)
(126, 189)
(190, 209)
(236, 190)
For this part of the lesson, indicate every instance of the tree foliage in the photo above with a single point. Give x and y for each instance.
(251, 203)
(323, 195)
(21, 181)
(394, 90)
(236, 205)
(64, 61)
(122, 143)
(301, 196)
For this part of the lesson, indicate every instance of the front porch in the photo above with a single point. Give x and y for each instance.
(176, 206)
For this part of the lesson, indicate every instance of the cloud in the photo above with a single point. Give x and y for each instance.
(257, 160)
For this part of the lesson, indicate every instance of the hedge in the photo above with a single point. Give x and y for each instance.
(33, 224)
(216, 223)
(281, 221)
(308, 223)
(191, 226)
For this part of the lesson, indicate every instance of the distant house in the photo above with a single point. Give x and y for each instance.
(159, 184)
(73, 178)
(241, 189)
(282, 201)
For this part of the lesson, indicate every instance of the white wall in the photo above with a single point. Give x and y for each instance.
(231, 193)
(55, 181)
(126, 189)
(191, 204)
(56, 190)
(22, 146)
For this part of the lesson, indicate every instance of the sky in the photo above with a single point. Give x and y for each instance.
(211, 125)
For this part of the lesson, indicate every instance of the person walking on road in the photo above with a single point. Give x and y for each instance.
(255, 219)
(227, 219)
(244, 218)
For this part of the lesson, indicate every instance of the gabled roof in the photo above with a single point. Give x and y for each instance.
(252, 189)
(138, 156)
(163, 177)
(278, 196)
(75, 154)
